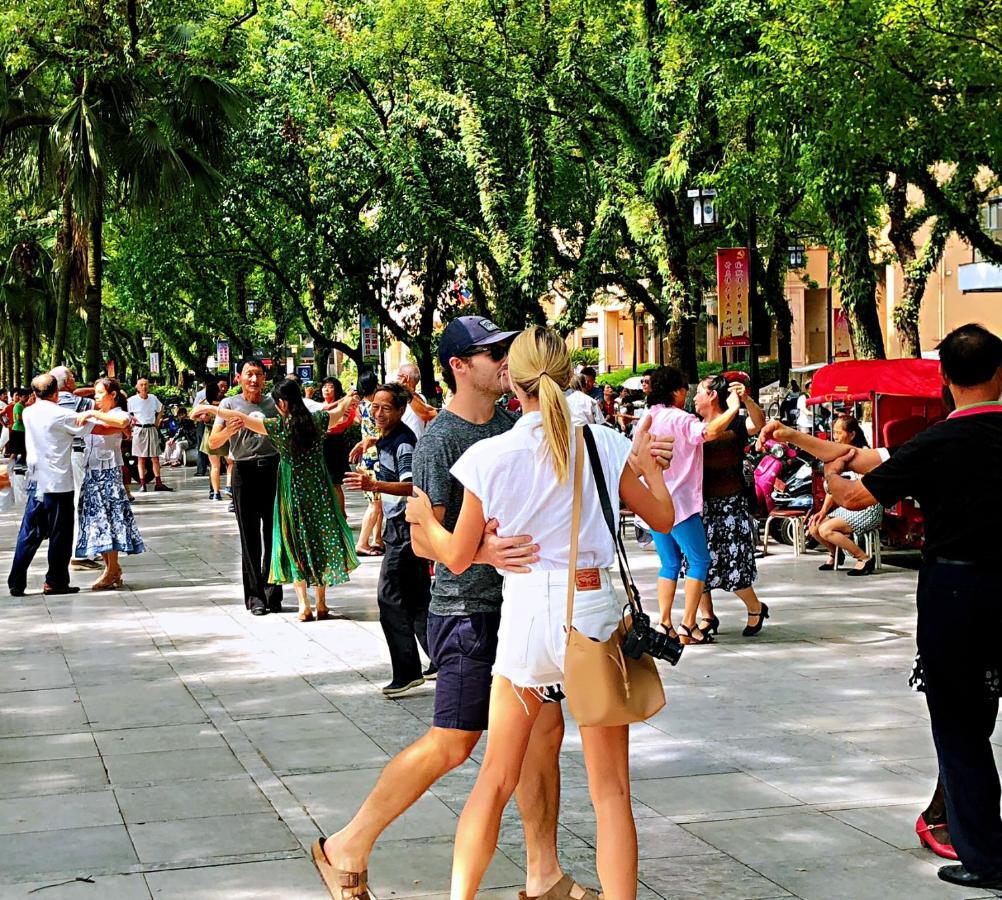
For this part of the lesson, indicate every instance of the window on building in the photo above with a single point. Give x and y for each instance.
(589, 343)
(993, 216)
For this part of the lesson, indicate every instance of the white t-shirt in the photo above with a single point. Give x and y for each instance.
(805, 418)
(584, 410)
(414, 422)
(104, 451)
(514, 480)
(145, 411)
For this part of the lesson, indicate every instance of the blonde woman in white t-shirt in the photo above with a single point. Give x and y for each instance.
(522, 479)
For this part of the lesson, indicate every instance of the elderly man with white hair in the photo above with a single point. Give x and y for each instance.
(66, 383)
(418, 413)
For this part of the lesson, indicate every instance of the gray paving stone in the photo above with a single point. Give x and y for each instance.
(844, 782)
(98, 887)
(29, 779)
(34, 671)
(66, 853)
(47, 747)
(58, 811)
(172, 765)
(156, 739)
(41, 712)
(713, 875)
(296, 878)
(210, 837)
(800, 837)
(701, 794)
(865, 877)
(191, 800)
(145, 703)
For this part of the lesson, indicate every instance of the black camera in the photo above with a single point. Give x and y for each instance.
(643, 638)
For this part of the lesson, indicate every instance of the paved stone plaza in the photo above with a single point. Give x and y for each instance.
(158, 741)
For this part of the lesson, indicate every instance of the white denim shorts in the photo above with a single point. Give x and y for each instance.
(532, 639)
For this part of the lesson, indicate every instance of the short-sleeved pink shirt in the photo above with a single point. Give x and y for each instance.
(684, 477)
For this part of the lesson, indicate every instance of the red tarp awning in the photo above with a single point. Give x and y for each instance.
(859, 378)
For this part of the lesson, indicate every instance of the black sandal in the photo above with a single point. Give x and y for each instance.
(709, 624)
(685, 635)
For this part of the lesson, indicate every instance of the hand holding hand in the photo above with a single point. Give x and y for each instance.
(85, 416)
(733, 397)
(773, 430)
(741, 390)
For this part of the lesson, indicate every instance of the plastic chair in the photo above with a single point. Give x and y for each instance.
(797, 519)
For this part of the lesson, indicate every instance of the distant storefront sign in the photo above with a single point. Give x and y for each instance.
(305, 373)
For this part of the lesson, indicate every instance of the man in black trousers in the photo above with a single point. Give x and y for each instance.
(953, 470)
(49, 512)
(255, 478)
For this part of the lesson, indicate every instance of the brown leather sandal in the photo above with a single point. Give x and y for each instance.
(341, 885)
(565, 889)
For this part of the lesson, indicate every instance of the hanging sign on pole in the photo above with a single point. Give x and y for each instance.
(732, 292)
(223, 357)
(369, 333)
(154, 362)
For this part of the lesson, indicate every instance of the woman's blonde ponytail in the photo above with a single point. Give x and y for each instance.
(540, 365)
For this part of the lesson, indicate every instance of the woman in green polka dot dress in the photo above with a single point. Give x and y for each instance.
(311, 543)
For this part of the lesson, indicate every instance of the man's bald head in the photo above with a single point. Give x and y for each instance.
(65, 379)
(45, 386)
(409, 374)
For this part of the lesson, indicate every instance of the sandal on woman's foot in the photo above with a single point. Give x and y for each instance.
(828, 565)
(566, 888)
(761, 615)
(305, 616)
(341, 884)
(323, 613)
(367, 552)
(685, 635)
(709, 624)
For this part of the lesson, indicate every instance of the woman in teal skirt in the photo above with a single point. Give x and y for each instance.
(311, 543)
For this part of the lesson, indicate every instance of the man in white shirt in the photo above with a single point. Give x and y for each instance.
(418, 413)
(147, 411)
(49, 513)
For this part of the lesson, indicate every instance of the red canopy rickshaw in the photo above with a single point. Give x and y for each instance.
(906, 397)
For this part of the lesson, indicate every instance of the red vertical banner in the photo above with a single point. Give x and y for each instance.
(842, 342)
(732, 293)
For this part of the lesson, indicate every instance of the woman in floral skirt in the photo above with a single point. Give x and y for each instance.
(311, 543)
(107, 525)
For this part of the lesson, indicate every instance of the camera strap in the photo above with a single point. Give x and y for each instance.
(632, 594)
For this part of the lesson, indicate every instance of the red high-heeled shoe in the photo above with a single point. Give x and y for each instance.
(926, 839)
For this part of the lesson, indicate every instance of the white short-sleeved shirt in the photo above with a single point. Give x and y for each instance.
(514, 480)
(414, 422)
(145, 411)
(49, 432)
(584, 410)
(103, 451)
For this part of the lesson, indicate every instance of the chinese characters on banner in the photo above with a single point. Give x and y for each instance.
(732, 292)
(370, 339)
(842, 343)
(223, 357)
(154, 362)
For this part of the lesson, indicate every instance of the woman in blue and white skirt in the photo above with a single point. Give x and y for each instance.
(107, 525)
(834, 526)
(522, 479)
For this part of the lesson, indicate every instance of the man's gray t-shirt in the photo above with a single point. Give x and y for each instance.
(246, 444)
(448, 437)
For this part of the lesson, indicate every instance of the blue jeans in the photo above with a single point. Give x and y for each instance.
(687, 537)
(49, 517)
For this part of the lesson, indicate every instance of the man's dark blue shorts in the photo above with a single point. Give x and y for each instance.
(463, 648)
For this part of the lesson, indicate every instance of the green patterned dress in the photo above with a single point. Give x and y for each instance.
(311, 541)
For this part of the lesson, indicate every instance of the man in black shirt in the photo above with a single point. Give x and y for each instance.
(959, 632)
(404, 580)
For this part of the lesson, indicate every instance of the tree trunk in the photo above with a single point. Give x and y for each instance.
(855, 276)
(15, 354)
(64, 257)
(92, 296)
(28, 350)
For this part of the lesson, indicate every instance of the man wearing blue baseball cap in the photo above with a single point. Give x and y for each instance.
(463, 625)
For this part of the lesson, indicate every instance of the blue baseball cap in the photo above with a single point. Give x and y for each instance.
(465, 334)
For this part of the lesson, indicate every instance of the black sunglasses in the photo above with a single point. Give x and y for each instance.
(497, 351)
